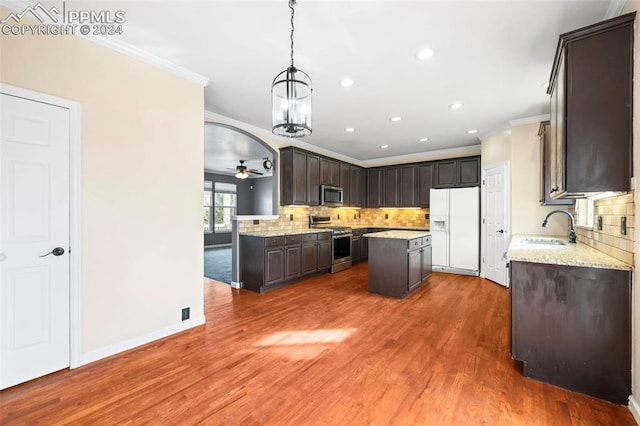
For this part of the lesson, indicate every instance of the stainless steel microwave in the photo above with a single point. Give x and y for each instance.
(331, 195)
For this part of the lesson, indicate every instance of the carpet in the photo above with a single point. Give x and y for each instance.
(217, 264)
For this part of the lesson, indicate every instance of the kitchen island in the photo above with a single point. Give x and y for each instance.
(571, 316)
(399, 261)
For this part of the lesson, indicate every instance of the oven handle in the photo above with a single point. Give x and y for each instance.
(335, 237)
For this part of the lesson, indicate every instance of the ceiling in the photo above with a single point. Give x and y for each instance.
(491, 56)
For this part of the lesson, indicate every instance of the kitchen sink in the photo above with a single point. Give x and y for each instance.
(544, 241)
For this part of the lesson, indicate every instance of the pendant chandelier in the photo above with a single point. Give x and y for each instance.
(291, 98)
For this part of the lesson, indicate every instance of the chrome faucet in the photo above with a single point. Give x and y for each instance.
(572, 232)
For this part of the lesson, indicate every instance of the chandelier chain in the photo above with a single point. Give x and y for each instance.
(292, 3)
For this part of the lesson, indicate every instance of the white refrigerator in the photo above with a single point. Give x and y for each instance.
(455, 230)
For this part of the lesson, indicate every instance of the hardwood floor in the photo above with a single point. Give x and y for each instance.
(323, 351)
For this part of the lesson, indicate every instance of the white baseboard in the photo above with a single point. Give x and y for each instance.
(236, 285)
(634, 407)
(138, 341)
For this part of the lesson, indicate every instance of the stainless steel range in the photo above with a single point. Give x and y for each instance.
(340, 242)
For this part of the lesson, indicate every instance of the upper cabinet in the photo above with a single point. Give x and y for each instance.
(374, 187)
(329, 172)
(591, 110)
(547, 157)
(457, 173)
(293, 177)
(357, 186)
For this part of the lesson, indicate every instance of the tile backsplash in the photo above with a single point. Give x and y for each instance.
(298, 217)
(610, 240)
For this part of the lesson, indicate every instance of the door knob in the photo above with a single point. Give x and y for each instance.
(58, 251)
(500, 231)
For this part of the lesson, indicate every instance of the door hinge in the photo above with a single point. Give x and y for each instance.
(483, 182)
(483, 260)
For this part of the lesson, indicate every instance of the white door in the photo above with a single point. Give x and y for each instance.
(464, 228)
(34, 219)
(496, 235)
(439, 225)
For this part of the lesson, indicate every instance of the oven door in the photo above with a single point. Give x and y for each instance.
(341, 251)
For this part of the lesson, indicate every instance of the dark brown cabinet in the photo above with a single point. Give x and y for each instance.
(274, 266)
(293, 182)
(324, 251)
(408, 186)
(329, 172)
(445, 174)
(313, 180)
(457, 173)
(357, 186)
(591, 110)
(390, 187)
(281, 260)
(571, 327)
(356, 248)
(398, 266)
(544, 136)
(374, 187)
(425, 183)
(345, 183)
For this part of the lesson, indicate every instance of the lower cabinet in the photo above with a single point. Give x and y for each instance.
(356, 248)
(396, 266)
(571, 327)
(276, 261)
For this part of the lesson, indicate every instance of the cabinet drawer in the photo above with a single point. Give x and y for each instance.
(415, 243)
(309, 237)
(274, 242)
(292, 239)
(426, 241)
(323, 236)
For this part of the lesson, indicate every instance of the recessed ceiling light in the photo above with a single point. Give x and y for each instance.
(347, 82)
(472, 131)
(394, 119)
(384, 146)
(425, 54)
(349, 129)
(424, 139)
(455, 105)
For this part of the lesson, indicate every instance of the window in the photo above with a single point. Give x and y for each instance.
(584, 212)
(224, 206)
(208, 196)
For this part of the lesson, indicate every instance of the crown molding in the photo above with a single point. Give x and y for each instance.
(529, 120)
(423, 156)
(615, 8)
(124, 48)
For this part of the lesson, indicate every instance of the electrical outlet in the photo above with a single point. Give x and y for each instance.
(338, 217)
(354, 215)
(599, 223)
(358, 215)
(386, 215)
(623, 225)
(185, 313)
(256, 222)
(426, 216)
(290, 217)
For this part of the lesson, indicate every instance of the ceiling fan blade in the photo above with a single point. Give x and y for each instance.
(255, 172)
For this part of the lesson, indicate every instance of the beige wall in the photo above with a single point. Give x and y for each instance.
(141, 181)
(520, 146)
(634, 6)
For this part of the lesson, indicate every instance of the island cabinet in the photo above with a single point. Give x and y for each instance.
(571, 327)
(279, 260)
(399, 262)
(591, 110)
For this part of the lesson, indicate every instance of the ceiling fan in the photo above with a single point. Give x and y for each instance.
(242, 172)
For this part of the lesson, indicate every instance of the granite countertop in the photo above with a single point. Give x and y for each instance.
(570, 254)
(409, 228)
(398, 235)
(282, 233)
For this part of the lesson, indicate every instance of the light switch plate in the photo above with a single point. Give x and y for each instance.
(623, 225)
(599, 223)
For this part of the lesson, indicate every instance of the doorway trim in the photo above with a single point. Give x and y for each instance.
(75, 320)
(507, 166)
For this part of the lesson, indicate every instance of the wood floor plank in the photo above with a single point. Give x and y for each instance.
(323, 351)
